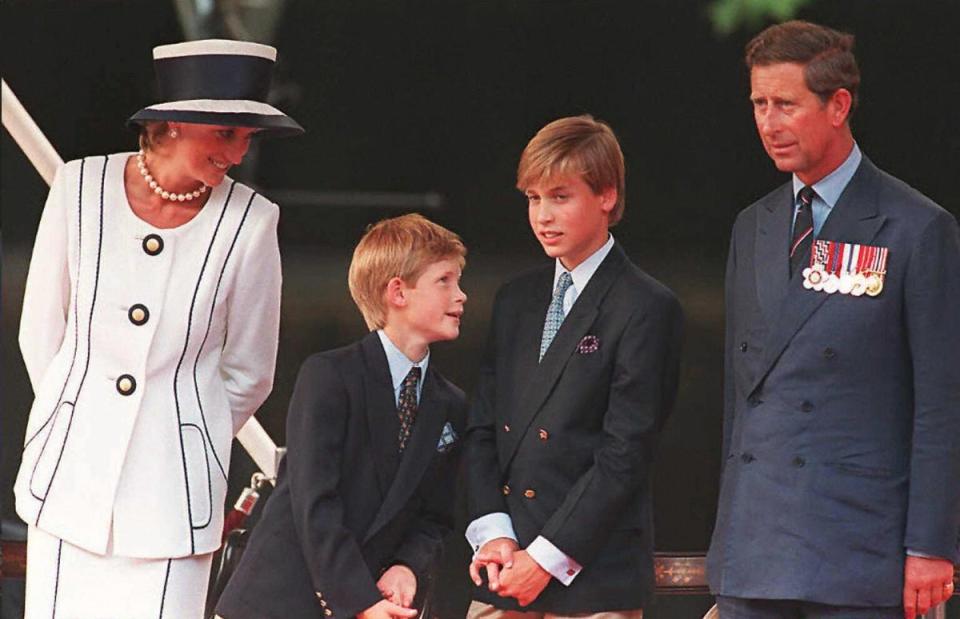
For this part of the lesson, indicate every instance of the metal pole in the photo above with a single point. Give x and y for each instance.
(28, 136)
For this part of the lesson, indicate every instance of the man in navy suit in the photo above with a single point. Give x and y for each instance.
(840, 494)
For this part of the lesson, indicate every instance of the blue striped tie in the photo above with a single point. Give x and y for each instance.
(802, 231)
(554, 313)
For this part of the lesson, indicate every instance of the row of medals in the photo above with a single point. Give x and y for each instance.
(855, 284)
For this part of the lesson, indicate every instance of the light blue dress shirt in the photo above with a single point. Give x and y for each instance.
(400, 366)
(828, 189)
(581, 274)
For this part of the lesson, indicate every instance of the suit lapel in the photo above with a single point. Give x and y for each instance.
(854, 219)
(380, 406)
(543, 377)
(858, 221)
(772, 251)
(530, 331)
(422, 448)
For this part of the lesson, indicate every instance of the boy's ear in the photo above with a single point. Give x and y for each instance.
(396, 292)
(608, 199)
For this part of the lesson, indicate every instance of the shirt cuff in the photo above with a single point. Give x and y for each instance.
(486, 528)
(922, 555)
(549, 557)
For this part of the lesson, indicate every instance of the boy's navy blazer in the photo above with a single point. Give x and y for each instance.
(565, 445)
(346, 505)
(842, 414)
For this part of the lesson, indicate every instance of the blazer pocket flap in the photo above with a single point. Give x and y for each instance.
(199, 484)
(51, 447)
(861, 470)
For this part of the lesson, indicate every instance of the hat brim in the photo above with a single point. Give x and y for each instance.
(271, 125)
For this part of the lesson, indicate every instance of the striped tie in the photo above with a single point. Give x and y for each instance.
(802, 231)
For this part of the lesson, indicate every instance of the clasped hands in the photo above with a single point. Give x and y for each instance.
(511, 572)
(398, 586)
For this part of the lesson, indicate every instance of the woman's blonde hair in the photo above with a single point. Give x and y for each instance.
(150, 133)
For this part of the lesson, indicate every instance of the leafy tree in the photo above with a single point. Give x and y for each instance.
(729, 15)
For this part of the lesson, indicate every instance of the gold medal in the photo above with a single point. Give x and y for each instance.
(874, 284)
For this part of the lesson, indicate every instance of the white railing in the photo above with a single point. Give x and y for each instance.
(45, 159)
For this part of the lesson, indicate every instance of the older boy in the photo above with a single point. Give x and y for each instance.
(364, 496)
(579, 375)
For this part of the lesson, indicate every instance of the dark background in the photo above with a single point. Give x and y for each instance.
(441, 96)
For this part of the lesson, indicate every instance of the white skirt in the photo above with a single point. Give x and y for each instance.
(66, 582)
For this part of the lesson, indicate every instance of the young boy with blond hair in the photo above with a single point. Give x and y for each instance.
(579, 374)
(364, 496)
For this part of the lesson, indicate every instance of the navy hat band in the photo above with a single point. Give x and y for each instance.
(217, 76)
(216, 82)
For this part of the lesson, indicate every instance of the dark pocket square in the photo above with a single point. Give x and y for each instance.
(588, 345)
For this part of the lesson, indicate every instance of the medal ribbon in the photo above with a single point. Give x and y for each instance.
(864, 250)
(882, 260)
(849, 258)
(819, 253)
(851, 263)
(836, 258)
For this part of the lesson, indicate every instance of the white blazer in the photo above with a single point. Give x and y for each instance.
(147, 350)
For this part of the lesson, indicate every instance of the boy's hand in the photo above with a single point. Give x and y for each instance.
(399, 585)
(385, 609)
(494, 555)
(525, 580)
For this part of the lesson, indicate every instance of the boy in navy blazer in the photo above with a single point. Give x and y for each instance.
(364, 496)
(579, 374)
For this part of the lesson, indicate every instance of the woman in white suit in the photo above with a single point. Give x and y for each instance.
(149, 332)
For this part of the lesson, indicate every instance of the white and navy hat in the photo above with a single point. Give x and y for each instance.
(217, 82)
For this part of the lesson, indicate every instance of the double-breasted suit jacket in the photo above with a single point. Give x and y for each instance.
(565, 446)
(147, 350)
(347, 505)
(842, 413)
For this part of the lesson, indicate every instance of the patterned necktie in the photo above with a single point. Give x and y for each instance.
(802, 231)
(407, 405)
(554, 313)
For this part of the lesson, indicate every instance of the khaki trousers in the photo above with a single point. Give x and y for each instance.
(480, 610)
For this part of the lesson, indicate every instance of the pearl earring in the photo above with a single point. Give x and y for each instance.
(173, 133)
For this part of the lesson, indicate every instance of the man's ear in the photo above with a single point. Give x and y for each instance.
(840, 102)
(396, 294)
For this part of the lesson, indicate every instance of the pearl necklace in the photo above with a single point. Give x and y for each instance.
(160, 191)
